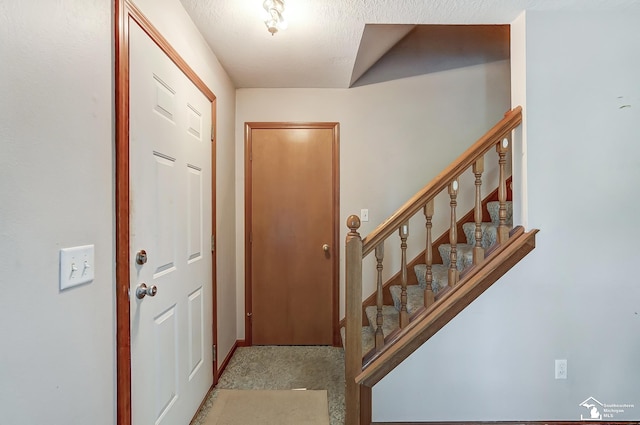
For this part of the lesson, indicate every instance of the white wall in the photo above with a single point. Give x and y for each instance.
(57, 361)
(519, 97)
(177, 27)
(576, 295)
(394, 137)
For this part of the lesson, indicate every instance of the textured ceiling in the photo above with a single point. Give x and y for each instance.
(320, 46)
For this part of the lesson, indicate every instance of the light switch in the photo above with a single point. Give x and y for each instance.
(364, 215)
(76, 266)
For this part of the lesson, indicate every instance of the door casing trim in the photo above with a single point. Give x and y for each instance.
(335, 127)
(126, 13)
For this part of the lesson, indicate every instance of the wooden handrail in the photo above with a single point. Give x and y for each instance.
(511, 120)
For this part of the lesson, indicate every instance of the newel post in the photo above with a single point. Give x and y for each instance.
(353, 334)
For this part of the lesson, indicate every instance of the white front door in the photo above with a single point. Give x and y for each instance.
(170, 191)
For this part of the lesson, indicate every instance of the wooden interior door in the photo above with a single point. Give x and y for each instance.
(171, 206)
(291, 224)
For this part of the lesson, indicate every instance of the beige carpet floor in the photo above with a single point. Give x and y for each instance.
(284, 368)
(269, 407)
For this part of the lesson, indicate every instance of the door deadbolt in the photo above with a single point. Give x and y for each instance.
(141, 257)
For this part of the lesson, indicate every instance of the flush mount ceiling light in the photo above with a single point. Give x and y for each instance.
(274, 19)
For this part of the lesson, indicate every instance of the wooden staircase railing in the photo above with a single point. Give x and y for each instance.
(487, 268)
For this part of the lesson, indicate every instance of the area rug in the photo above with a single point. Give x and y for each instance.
(269, 407)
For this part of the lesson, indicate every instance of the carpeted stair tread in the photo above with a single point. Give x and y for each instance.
(489, 233)
(368, 338)
(439, 272)
(464, 256)
(415, 297)
(494, 212)
(390, 318)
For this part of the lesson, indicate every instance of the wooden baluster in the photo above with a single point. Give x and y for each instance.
(353, 343)
(478, 250)
(379, 301)
(503, 231)
(429, 297)
(404, 314)
(453, 235)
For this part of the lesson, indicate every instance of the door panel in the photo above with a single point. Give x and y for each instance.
(163, 221)
(292, 214)
(165, 361)
(196, 331)
(170, 193)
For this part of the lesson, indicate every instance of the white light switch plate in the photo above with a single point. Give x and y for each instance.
(76, 266)
(364, 215)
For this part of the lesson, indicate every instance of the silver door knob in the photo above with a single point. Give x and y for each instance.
(142, 290)
(141, 257)
(325, 248)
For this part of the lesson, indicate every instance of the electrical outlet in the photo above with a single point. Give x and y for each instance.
(561, 368)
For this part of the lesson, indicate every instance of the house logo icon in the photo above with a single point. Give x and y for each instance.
(594, 407)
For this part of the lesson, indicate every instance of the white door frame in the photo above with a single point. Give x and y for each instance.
(126, 13)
